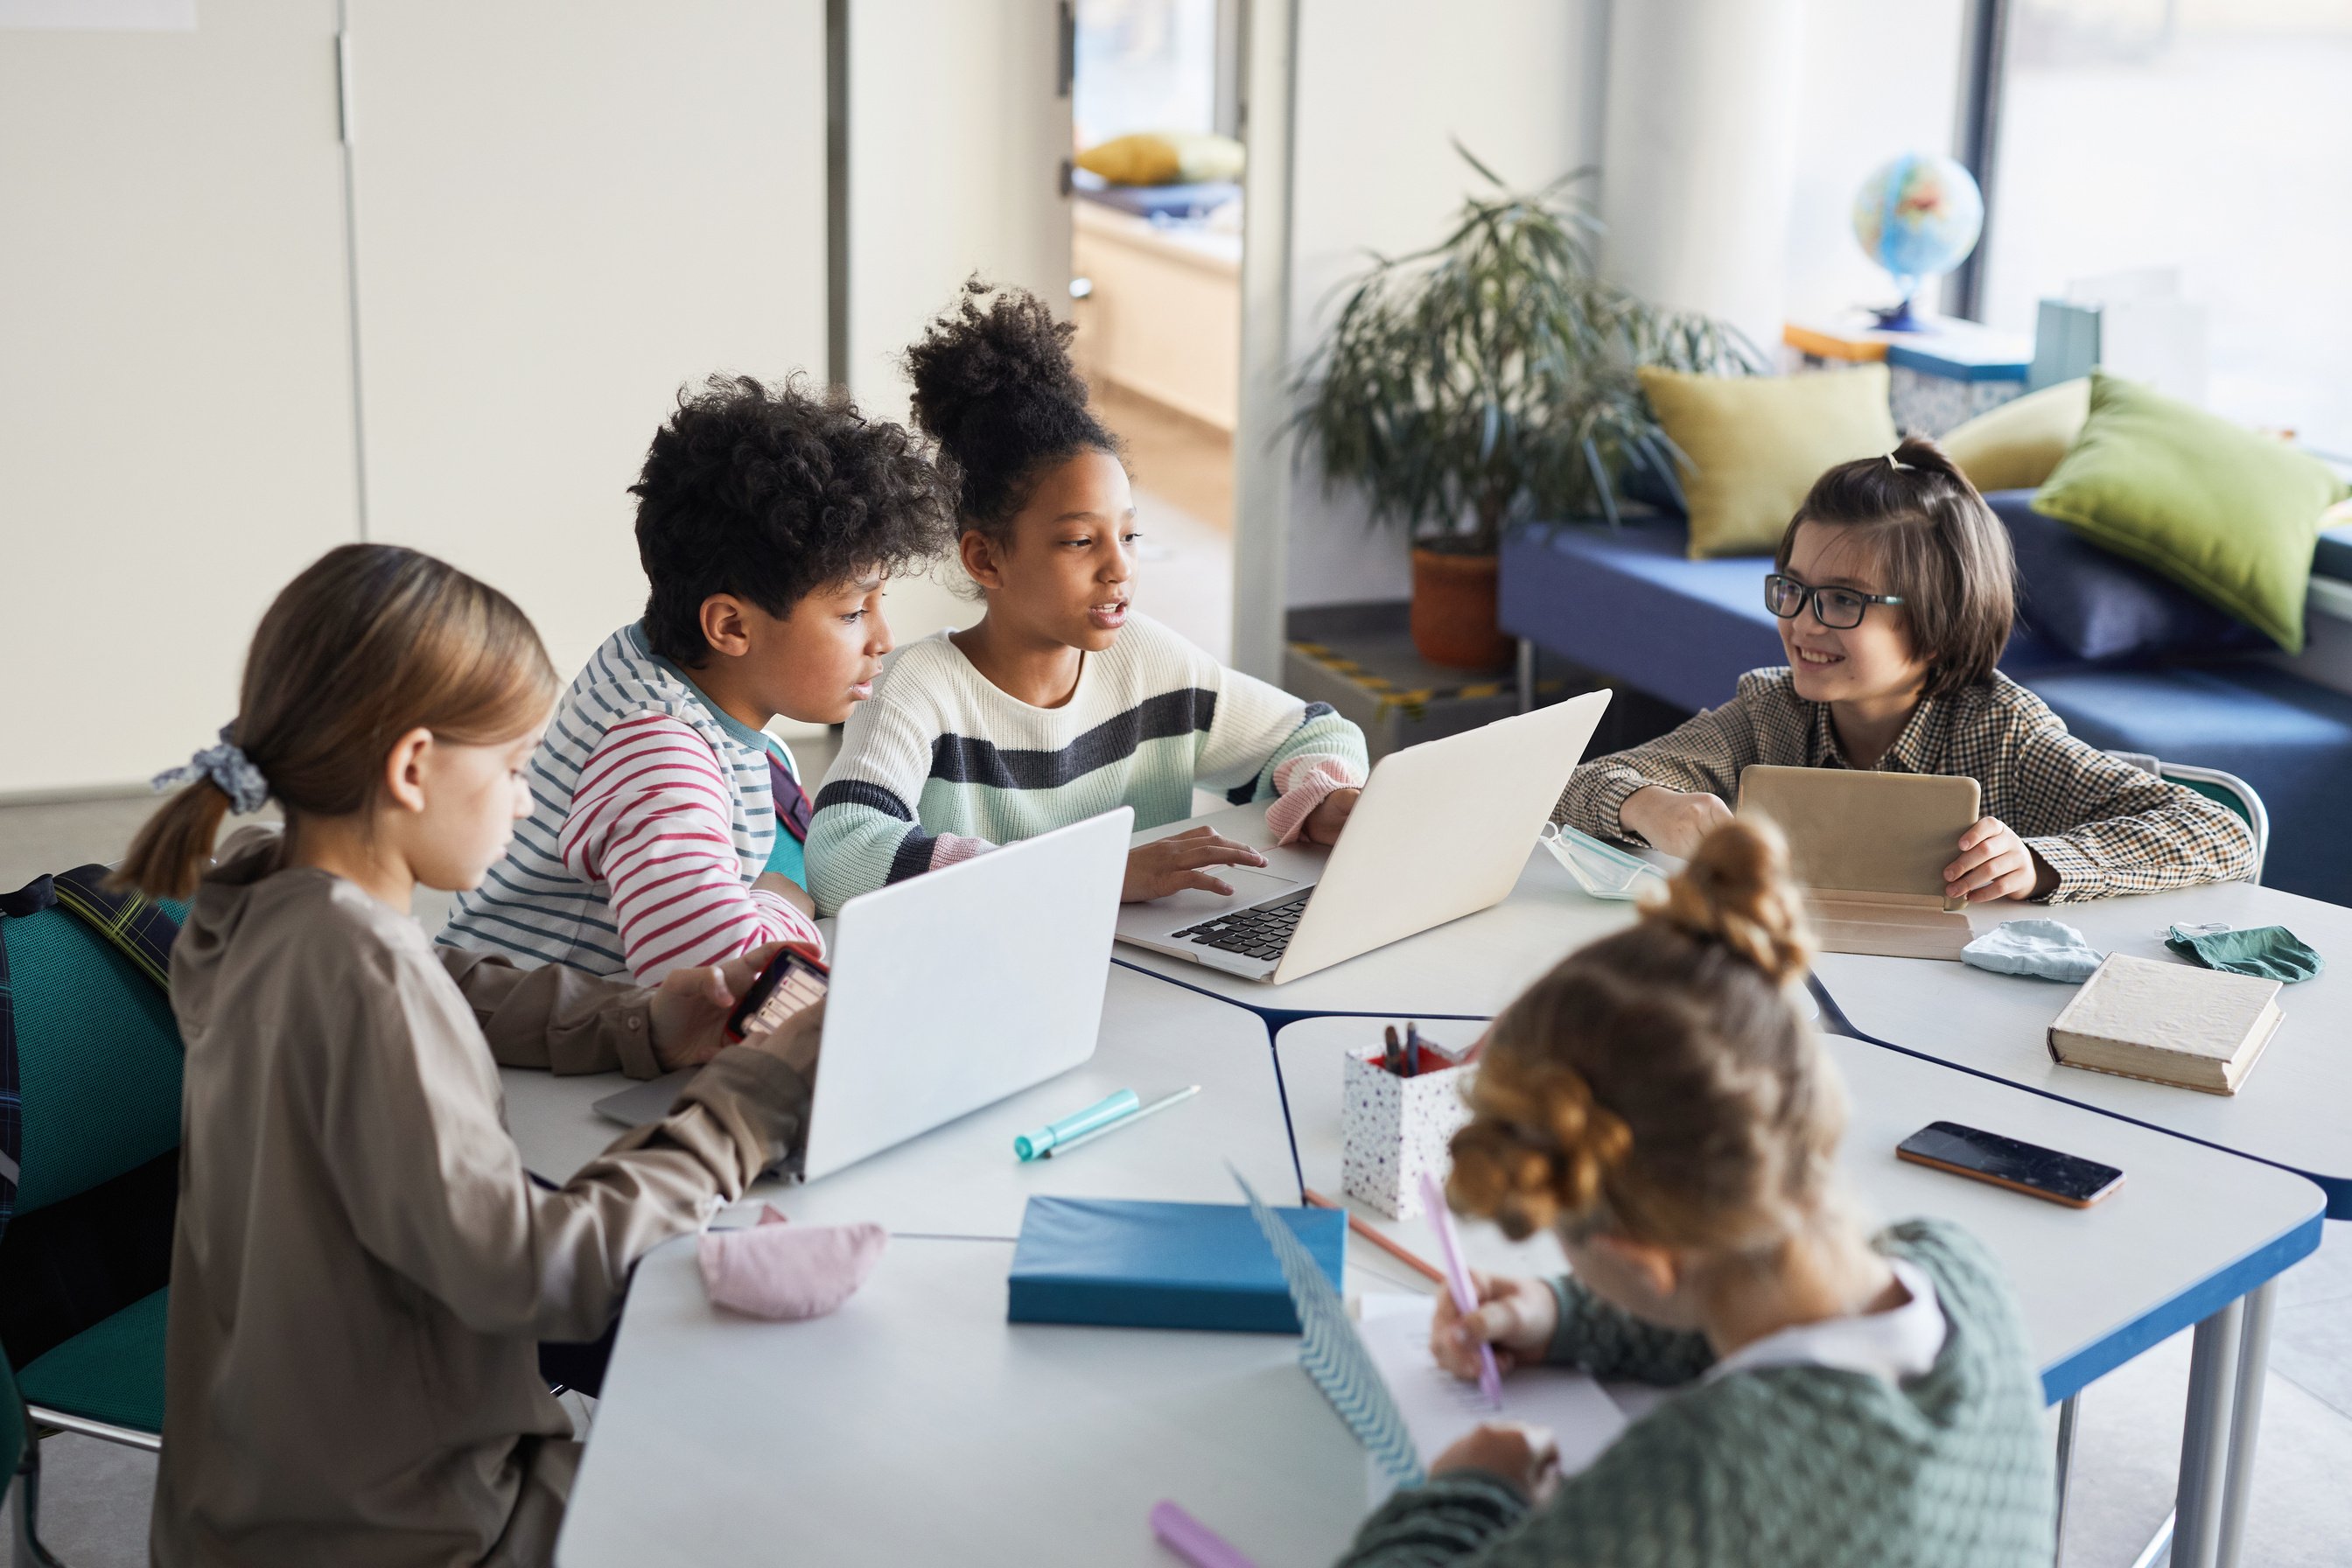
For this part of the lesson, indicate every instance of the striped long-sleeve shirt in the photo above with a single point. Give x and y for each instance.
(652, 813)
(940, 764)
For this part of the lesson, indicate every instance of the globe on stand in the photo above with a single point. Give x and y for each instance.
(1918, 217)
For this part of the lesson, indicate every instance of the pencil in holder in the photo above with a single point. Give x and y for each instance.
(1392, 1128)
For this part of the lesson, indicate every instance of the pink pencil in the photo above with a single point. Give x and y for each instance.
(1193, 1541)
(1457, 1283)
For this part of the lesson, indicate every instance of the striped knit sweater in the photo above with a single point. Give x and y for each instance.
(651, 812)
(1783, 1464)
(940, 764)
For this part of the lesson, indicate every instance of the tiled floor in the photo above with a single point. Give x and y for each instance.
(95, 1497)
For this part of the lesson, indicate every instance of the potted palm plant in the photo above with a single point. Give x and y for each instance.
(1489, 378)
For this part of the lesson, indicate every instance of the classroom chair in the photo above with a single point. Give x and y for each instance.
(2214, 784)
(86, 1256)
(22, 1495)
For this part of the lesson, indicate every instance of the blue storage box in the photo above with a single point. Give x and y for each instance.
(1128, 1264)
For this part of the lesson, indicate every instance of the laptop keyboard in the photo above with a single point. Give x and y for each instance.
(1253, 934)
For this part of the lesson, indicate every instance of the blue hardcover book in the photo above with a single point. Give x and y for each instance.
(1162, 1266)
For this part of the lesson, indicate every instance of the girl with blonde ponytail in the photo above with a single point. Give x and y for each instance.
(362, 1272)
(1661, 1103)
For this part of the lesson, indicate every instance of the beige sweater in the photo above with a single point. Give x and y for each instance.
(363, 1271)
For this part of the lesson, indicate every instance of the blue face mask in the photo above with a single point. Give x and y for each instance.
(1602, 870)
(2046, 950)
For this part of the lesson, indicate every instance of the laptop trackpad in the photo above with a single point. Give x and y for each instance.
(1191, 906)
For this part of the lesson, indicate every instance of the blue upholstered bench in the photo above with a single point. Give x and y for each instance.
(1626, 604)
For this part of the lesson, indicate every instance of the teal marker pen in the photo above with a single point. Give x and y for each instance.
(1031, 1146)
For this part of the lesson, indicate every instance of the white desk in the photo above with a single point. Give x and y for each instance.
(2191, 1233)
(1466, 968)
(917, 1426)
(2291, 1111)
(963, 1179)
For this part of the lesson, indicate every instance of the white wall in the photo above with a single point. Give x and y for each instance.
(956, 143)
(565, 211)
(175, 412)
(1697, 158)
(1381, 85)
(1877, 80)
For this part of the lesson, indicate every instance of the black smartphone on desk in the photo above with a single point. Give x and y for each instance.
(791, 982)
(2007, 1162)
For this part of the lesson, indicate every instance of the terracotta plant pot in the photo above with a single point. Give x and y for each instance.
(1454, 611)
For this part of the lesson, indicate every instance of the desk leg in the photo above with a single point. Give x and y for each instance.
(1527, 675)
(2205, 1437)
(2246, 1420)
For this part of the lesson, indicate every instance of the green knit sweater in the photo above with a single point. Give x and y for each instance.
(1797, 1465)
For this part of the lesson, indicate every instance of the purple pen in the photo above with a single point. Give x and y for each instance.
(1193, 1541)
(1457, 1284)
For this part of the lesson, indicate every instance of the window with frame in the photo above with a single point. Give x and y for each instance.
(2213, 136)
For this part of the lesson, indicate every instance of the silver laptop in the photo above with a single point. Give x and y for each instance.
(950, 991)
(1444, 830)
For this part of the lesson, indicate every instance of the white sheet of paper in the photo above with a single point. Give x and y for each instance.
(1439, 1407)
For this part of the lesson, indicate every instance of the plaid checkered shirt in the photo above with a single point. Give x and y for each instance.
(2103, 824)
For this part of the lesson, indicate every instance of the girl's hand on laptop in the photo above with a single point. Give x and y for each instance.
(1994, 863)
(690, 1006)
(1517, 1316)
(1526, 1456)
(1170, 865)
(1329, 815)
(1672, 819)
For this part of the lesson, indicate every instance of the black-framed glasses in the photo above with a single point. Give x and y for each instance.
(1839, 609)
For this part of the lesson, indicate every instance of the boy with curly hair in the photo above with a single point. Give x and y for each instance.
(668, 830)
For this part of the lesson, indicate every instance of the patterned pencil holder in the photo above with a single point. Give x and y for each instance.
(1392, 1129)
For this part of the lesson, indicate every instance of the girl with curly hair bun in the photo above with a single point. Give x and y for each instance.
(1063, 702)
(1661, 1103)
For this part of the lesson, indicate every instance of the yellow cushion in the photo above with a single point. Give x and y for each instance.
(1753, 444)
(2016, 445)
(1164, 158)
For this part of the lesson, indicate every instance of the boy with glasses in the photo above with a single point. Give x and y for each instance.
(1893, 591)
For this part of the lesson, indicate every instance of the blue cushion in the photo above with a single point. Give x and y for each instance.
(2333, 558)
(2100, 608)
(2290, 739)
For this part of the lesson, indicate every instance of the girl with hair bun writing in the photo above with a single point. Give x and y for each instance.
(1843, 1398)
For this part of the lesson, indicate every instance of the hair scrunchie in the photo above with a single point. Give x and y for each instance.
(228, 767)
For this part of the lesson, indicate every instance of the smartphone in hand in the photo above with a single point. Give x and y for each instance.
(793, 981)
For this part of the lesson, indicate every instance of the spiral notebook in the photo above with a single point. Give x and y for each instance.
(1402, 1405)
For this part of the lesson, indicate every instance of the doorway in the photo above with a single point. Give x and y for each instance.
(1156, 292)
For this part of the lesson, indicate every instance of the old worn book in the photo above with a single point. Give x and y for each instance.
(2168, 1022)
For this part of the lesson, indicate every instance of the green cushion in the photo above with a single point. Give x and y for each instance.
(98, 1059)
(113, 1372)
(2228, 515)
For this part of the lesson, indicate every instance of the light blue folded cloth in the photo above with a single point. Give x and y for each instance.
(2047, 950)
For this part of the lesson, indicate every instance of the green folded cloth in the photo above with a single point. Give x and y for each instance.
(2267, 952)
